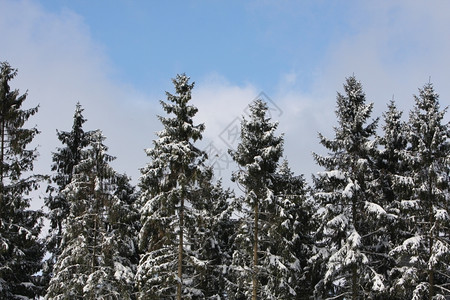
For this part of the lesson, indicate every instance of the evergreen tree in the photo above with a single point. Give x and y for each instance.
(175, 210)
(393, 188)
(64, 161)
(212, 235)
(20, 249)
(391, 163)
(264, 264)
(97, 248)
(350, 236)
(290, 233)
(423, 256)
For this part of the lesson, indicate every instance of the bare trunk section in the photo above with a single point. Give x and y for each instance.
(94, 248)
(431, 270)
(255, 255)
(2, 154)
(354, 282)
(180, 250)
(354, 267)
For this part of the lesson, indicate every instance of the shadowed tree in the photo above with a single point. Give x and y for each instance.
(258, 262)
(64, 160)
(98, 253)
(423, 254)
(21, 251)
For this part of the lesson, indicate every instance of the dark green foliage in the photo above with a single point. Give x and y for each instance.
(377, 225)
(179, 214)
(423, 251)
(64, 161)
(350, 219)
(265, 262)
(21, 250)
(98, 253)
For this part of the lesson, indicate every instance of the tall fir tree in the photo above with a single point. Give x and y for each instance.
(392, 169)
(64, 161)
(423, 256)
(290, 233)
(97, 250)
(264, 263)
(391, 162)
(21, 250)
(211, 234)
(175, 213)
(350, 236)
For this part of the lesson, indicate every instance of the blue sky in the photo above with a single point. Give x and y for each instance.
(246, 42)
(117, 59)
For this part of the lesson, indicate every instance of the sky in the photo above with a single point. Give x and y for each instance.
(117, 58)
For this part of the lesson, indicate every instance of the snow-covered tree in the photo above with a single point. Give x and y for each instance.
(290, 231)
(20, 249)
(175, 212)
(350, 229)
(391, 163)
(392, 169)
(211, 234)
(423, 256)
(97, 259)
(264, 264)
(64, 161)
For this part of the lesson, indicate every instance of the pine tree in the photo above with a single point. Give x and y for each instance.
(64, 161)
(351, 221)
(21, 250)
(173, 263)
(423, 256)
(256, 257)
(97, 250)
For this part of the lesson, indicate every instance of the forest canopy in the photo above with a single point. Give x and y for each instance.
(374, 223)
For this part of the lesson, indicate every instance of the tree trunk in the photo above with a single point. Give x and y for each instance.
(431, 270)
(2, 154)
(255, 255)
(354, 267)
(354, 282)
(180, 250)
(96, 227)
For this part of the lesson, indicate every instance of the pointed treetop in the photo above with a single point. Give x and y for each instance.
(182, 86)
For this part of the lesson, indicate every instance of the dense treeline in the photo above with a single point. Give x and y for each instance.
(374, 224)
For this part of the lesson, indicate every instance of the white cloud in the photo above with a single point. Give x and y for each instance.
(394, 48)
(397, 46)
(60, 64)
(219, 102)
(220, 107)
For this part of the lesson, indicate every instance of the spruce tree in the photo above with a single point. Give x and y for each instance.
(392, 169)
(64, 160)
(423, 255)
(212, 232)
(97, 250)
(391, 163)
(351, 219)
(290, 233)
(175, 212)
(21, 250)
(262, 256)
